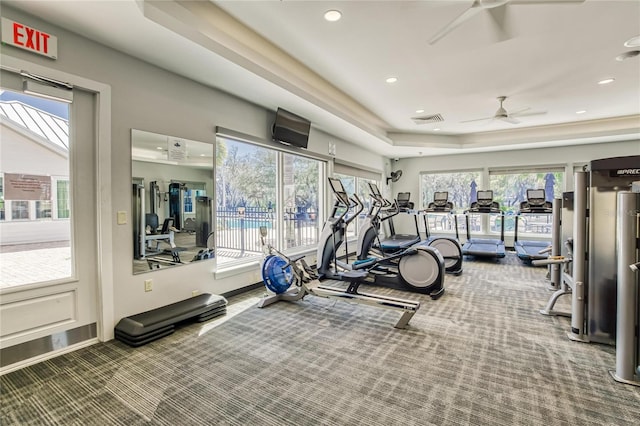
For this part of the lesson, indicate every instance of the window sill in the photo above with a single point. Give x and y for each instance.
(233, 270)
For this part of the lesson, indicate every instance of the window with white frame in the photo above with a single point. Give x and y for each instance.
(462, 187)
(510, 190)
(260, 186)
(62, 199)
(356, 181)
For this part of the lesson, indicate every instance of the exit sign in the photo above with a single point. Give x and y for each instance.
(27, 38)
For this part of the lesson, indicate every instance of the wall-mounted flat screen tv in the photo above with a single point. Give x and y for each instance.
(291, 129)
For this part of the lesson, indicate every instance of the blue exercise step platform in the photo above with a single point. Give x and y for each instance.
(148, 326)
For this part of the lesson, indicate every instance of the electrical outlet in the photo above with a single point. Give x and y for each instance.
(195, 293)
(148, 285)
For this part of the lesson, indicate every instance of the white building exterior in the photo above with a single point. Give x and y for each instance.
(33, 143)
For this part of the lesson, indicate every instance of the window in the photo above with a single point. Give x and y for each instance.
(510, 189)
(301, 184)
(19, 210)
(462, 187)
(62, 196)
(350, 183)
(262, 187)
(363, 192)
(43, 209)
(30, 192)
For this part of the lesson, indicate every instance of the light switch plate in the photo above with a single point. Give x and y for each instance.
(122, 218)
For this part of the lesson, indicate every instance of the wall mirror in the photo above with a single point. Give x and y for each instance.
(172, 193)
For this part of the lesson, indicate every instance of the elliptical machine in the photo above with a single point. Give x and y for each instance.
(418, 269)
(280, 272)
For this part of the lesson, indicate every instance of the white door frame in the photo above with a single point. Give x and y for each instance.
(105, 302)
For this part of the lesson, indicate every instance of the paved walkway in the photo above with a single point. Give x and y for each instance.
(30, 266)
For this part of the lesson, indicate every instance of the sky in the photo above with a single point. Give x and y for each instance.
(60, 109)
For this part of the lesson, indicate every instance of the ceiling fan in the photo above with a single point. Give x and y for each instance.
(502, 114)
(498, 14)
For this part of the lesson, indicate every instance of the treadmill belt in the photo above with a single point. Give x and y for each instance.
(529, 250)
(484, 248)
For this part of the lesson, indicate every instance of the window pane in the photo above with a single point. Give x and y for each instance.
(245, 199)
(19, 210)
(38, 151)
(301, 180)
(510, 189)
(349, 183)
(462, 188)
(62, 195)
(43, 209)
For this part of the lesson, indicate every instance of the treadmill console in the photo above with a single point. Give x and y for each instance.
(485, 203)
(536, 202)
(403, 201)
(440, 203)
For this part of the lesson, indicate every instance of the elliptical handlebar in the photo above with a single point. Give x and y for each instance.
(358, 204)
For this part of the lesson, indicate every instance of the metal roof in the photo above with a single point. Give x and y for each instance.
(41, 123)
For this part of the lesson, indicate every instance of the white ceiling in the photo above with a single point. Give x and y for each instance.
(547, 57)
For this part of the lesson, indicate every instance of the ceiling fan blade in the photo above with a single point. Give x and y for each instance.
(500, 19)
(529, 114)
(478, 119)
(467, 14)
(509, 119)
(545, 1)
(519, 112)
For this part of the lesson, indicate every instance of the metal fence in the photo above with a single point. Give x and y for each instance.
(238, 229)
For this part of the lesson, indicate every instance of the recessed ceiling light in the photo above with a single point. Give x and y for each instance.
(159, 147)
(201, 155)
(332, 15)
(391, 79)
(437, 129)
(633, 42)
(582, 111)
(607, 81)
(419, 111)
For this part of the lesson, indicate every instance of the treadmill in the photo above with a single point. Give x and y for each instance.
(449, 247)
(394, 242)
(528, 250)
(484, 247)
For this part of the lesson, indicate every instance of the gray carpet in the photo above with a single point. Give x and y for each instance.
(480, 355)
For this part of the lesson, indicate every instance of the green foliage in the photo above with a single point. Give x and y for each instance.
(458, 185)
(246, 175)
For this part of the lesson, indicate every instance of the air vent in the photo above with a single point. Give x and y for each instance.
(431, 118)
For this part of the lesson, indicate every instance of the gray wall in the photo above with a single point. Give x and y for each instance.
(148, 98)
